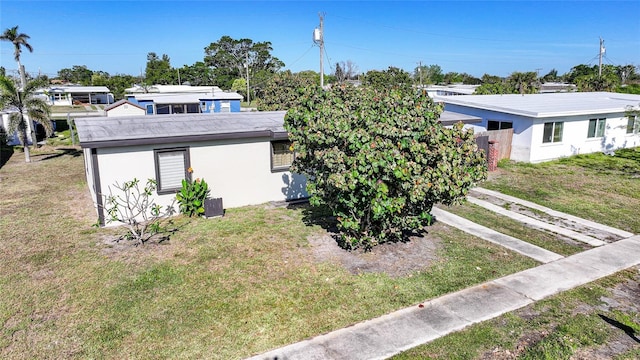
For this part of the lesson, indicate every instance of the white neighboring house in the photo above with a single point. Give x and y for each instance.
(124, 108)
(244, 157)
(66, 95)
(554, 125)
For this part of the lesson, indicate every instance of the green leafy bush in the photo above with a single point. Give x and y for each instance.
(191, 197)
(132, 207)
(380, 160)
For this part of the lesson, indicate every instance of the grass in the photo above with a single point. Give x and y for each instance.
(555, 328)
(597, 187)
(600, 187)
(248, 282)
(220, 288)
(516, 229)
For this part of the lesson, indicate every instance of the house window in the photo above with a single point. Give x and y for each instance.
(552, 132)
(596, 128)
(633, 125)
(225, 106)
(281, 155)
(499, 125)
(149, 109)
(162, 109)
(171, 168)
(193, 108)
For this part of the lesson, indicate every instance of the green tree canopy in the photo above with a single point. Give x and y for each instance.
(393, 77)
(159, 70)
(380, 159)
(198, 74)
(285, 90)
(228, 57)
(78, 74)
(430, 74)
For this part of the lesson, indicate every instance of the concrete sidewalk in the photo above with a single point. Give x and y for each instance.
(393, 333)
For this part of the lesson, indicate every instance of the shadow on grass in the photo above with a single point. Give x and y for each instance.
(5, 154)
(61, 152)
(626, 328)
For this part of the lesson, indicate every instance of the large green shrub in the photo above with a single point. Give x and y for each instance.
(380, 159)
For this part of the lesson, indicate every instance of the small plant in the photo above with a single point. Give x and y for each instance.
(132, 206)
(192, 195)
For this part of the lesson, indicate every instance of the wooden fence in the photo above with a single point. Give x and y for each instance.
(502, 139)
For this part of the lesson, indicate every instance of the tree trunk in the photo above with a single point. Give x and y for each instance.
(27, 152)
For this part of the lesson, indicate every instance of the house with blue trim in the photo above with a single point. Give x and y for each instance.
(184, 99)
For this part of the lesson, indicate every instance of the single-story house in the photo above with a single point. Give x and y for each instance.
(188, 103)
(554, 125)
(450, 90)
(244, 157)
(70, 94)
(183, 99)
(124, 108)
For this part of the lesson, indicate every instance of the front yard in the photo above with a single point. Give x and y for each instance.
(258, 278)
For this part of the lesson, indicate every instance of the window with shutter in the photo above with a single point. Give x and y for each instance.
(281, 155)
(171, 168)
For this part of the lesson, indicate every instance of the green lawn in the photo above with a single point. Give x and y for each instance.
(598, 187)
(248, 282)
(220, 288)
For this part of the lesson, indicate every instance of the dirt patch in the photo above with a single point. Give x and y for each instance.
(393, 259)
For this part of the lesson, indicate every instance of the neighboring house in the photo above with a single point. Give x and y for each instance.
(554, 125)
(184, 99)
(244, 157)
(554, 87)
(124, 108)
(448, 90)
(71, 94)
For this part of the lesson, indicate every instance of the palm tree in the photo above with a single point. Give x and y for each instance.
(23, 107)
(19, 40)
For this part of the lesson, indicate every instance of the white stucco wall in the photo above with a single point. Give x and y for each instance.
(527, 145)
(575, 140)
(238, 171)
(125, 110)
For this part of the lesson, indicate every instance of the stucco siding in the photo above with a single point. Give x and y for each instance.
(238, 171)
(575, 138)
(125, 110)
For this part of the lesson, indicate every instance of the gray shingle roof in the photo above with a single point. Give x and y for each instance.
(138, 130)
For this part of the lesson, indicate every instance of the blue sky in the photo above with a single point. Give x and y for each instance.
(475, 37)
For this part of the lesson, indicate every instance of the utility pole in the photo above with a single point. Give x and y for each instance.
(318, 38)
(602, 50)
(247, 66)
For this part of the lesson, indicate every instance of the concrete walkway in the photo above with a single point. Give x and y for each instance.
(399, 331)
(483, 232)
(393, 333)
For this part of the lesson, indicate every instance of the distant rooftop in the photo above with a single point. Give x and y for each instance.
(73, 89)
(547, 105)
(175, 89)
(168, 98)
